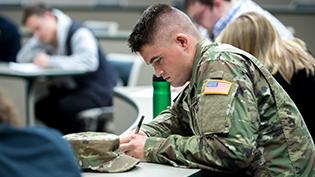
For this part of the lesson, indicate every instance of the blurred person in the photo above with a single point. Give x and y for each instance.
(232, 119)
(32, 151)
(287, 60)
(10, 40)
(60, 42)
(215, 15)
(7, 112)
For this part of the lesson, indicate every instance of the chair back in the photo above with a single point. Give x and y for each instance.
(131, 69)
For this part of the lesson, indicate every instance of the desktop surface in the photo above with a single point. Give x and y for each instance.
(144, 169)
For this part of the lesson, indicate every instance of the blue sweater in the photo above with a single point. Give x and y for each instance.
(35, 152)
(10, 42)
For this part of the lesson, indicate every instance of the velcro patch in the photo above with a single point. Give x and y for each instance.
(216, 87)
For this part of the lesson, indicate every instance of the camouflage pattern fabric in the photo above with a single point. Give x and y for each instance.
(99, 151)
(256, 127)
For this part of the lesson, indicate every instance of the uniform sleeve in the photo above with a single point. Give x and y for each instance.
(84, 53)
(227, 125)
(165, 124)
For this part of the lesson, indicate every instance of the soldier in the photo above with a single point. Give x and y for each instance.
(233, 116)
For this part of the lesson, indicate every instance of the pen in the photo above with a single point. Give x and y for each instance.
(139, 125)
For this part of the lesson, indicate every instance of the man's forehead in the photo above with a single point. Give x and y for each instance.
(195, 6)
(33, 19)
(147, 49)
(149, 52)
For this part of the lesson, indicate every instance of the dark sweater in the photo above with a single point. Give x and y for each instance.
(10, 42)
(302, 92)
(35, 152)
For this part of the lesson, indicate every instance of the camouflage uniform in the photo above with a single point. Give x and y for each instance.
(255, 127)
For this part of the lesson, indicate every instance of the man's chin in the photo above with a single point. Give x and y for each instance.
(177, 84)
(181, 84)
(44, 41)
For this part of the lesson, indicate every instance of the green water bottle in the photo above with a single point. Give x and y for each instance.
(161, 95)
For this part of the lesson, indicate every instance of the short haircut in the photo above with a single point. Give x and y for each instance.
(38, 9)
(144, 30)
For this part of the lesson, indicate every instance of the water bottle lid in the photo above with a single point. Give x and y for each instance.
(158, 79)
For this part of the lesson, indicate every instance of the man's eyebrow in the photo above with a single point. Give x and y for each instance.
(153, 59)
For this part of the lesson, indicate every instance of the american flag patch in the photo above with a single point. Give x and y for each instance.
(220, 87)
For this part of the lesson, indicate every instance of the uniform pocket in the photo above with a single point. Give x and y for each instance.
(214, 111)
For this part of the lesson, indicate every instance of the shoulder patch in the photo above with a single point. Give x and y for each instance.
(216, 87)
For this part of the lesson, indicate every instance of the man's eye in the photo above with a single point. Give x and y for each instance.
(157, 62)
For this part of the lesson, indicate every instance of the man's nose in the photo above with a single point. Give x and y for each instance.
(158, 71)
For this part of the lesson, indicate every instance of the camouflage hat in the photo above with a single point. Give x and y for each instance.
(99, 151)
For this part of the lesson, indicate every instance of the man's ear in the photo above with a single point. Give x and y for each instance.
(182, 40)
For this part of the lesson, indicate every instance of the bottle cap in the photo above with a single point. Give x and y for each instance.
(158, 79)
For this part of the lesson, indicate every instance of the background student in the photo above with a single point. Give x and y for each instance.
(60, 42)
(10, 40)
(215, 15)
(287, 60)
(32, 151)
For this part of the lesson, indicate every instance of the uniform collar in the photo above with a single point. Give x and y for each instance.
(201, 47)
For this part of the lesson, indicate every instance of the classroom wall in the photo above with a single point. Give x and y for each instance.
(125, 19)
(302, 22)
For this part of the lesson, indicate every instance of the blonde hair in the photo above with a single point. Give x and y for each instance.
(253, 33)
(7, 113)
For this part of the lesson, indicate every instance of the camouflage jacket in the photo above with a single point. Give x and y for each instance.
(256, 127)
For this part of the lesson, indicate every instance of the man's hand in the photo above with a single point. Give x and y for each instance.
(133, 144)
(41, 60)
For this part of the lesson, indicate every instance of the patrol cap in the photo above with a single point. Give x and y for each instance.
(99, 151)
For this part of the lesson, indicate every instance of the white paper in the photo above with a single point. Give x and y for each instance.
(24, 67)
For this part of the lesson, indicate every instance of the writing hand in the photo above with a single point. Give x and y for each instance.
(133, 144)
(41, 60)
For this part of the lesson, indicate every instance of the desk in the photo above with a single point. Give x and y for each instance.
(144, 169)
(29, 79)
(120, 35)
(130, 103)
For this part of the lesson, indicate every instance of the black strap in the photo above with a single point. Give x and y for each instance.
(72, 29)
